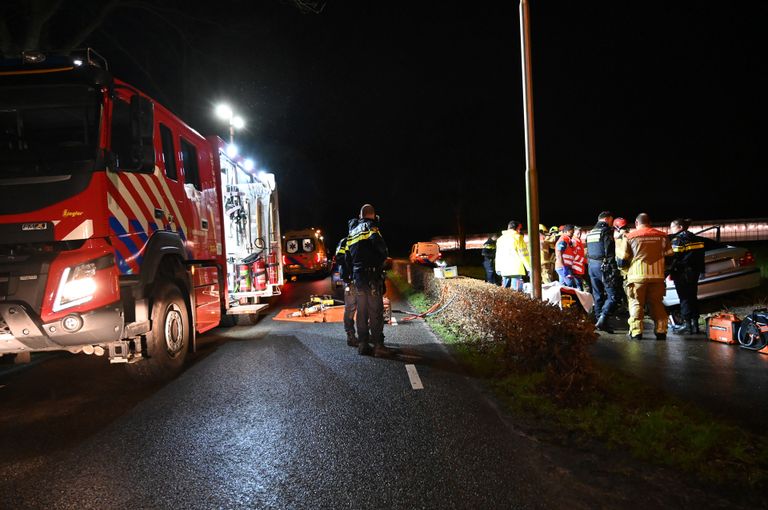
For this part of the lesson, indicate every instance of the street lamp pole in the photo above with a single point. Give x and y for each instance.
(531, 175)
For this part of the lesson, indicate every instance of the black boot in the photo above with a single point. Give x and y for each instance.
(601, 324)
(382, 351)
(695, 326)
(351, 339)
(684, 328)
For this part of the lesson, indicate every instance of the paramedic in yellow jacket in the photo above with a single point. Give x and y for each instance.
(643, 255)
(512, 259)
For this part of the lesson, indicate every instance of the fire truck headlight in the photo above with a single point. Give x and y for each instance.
(77, 286)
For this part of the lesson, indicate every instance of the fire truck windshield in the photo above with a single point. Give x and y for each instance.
(48, 131)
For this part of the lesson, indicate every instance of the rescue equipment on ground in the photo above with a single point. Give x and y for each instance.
(723, 327)
(753, 332)
(446, 272)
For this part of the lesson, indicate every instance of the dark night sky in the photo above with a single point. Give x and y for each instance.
(415, 106)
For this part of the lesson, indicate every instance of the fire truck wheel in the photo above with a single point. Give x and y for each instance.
(168, 341)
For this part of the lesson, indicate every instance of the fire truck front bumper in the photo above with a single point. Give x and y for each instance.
(21, 329)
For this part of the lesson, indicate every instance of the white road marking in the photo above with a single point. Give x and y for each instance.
(393, 321)
(413, 375)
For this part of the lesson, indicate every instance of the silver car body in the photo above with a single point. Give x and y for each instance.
(723, 273)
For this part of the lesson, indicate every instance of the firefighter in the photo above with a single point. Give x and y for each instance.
(368, 253)
(512, 259)
(547, 250)
(602, 268)
(489, 256)
(644, 255)
(350, 295)
(564, 260)
(621, 229)
(687, 264)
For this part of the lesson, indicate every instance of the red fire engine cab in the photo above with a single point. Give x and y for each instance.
(122, 230)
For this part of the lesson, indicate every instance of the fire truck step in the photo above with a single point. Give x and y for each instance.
(246, 309)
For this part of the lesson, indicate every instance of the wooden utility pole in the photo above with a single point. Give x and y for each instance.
(531, 176)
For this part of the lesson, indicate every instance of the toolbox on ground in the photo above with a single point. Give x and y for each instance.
(723, 327)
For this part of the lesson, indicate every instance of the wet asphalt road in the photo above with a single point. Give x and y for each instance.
(285, 415)
(726, 380)
(276, 415)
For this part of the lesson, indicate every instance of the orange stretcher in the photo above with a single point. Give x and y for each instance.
(328, 314)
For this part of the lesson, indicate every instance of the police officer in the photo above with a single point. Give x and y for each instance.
(603, 272)
(687, 264)
(368, 252)
(343, 261)
(489, 256)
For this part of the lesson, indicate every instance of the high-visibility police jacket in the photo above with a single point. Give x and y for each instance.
(644, 254)
(489, 249)
(343, 260)
(564, 245)
(688, 254)
(512, 257)
(579, 257)
(600, 244)
(367, 250)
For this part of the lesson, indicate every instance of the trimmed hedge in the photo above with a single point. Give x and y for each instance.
(526, 334)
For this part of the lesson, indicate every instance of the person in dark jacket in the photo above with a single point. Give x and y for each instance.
(685, 269)
(489, 257)
(343, 261)
(604, 274)
(368, 253)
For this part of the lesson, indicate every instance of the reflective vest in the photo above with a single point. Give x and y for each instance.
(579, 257)
(567, 253)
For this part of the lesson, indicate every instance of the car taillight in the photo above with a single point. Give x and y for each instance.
(747, 260)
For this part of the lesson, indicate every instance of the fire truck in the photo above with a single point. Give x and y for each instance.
(123, 231)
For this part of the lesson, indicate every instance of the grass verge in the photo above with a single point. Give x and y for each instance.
(619, 409)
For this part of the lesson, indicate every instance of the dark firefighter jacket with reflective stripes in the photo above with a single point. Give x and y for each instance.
(687, 254)
(342, 260)
(489, 249)
(367, 250)
(600, 243)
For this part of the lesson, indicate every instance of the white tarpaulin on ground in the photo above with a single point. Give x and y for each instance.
(550, 292)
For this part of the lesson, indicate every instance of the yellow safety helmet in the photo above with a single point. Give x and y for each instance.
(542, 229)
(554, 230)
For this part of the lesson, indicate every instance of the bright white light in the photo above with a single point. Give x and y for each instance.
(78, 289)
(78, 62)
(238, 122)
(249, 164)
(232, 150)
(223, 111)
